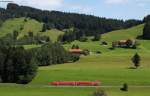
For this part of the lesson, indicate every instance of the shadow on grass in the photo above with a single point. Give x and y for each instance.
(131, 68)
(140, 37)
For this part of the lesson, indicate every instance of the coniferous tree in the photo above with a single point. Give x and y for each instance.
(97, 37)
(53, 53)
(136, 60)
(15, 34)
(16, 65)
(125, 87)
(77, 47)
(146, 31)
(44, 28)
(73, 46)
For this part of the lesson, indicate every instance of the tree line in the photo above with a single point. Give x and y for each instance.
(89, 24)
(146, 30)
(18, 65)
(53, 53)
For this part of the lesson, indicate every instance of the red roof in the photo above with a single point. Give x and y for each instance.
(75, 50)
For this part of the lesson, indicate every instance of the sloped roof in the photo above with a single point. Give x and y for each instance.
(75, 50)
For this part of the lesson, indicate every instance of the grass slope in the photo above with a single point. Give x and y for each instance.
(10, 25)
(29, 26)
(131, 33)
(53, 34)
(112, 67)
(45, 91)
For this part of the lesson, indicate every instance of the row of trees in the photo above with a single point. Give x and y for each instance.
(60, 20)
(18, 65)
(85, 25)
(30, 38)
(53, 53)
(146, 31)
(76, 34)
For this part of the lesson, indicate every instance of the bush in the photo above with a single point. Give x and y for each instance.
(98, 52)
(25, 20)
(86, 52)
(136, 60)
(97, 37)
(125, 87)
(134, 47)
(99, 93)
(74, 57)
(83, 39)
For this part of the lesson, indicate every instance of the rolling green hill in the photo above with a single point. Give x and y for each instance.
(23, 27)
(111, 68)
(10, 25)
(131, 33)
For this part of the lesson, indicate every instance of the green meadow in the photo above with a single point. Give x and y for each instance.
(111, 67)
(24, 27)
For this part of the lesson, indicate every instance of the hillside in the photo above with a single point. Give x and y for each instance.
(119, 68)
(24, 27)
(111, 68)
(86, 24)
(10, 25)
(130, 33)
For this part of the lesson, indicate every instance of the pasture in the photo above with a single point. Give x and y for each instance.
(45, 91)
(111, 68)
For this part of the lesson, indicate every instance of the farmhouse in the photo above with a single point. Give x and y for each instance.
(79, 52)
(76, 51)
(124, 43)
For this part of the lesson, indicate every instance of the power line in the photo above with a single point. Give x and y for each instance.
(6, 1)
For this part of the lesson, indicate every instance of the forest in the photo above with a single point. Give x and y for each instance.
(87, 24)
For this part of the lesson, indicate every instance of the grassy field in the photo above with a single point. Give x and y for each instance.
(45, 91)
(124, 34)
(10, 25)
(111, 68)
(18, 24)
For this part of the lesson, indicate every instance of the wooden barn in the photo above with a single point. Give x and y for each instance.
(76, 51)
(124, 43)
(79, 51)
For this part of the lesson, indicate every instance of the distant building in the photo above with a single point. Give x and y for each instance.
(104, 43)
(76, 51)
(79, 51)
(124, 43)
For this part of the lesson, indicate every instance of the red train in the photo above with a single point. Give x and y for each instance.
(75, 83)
